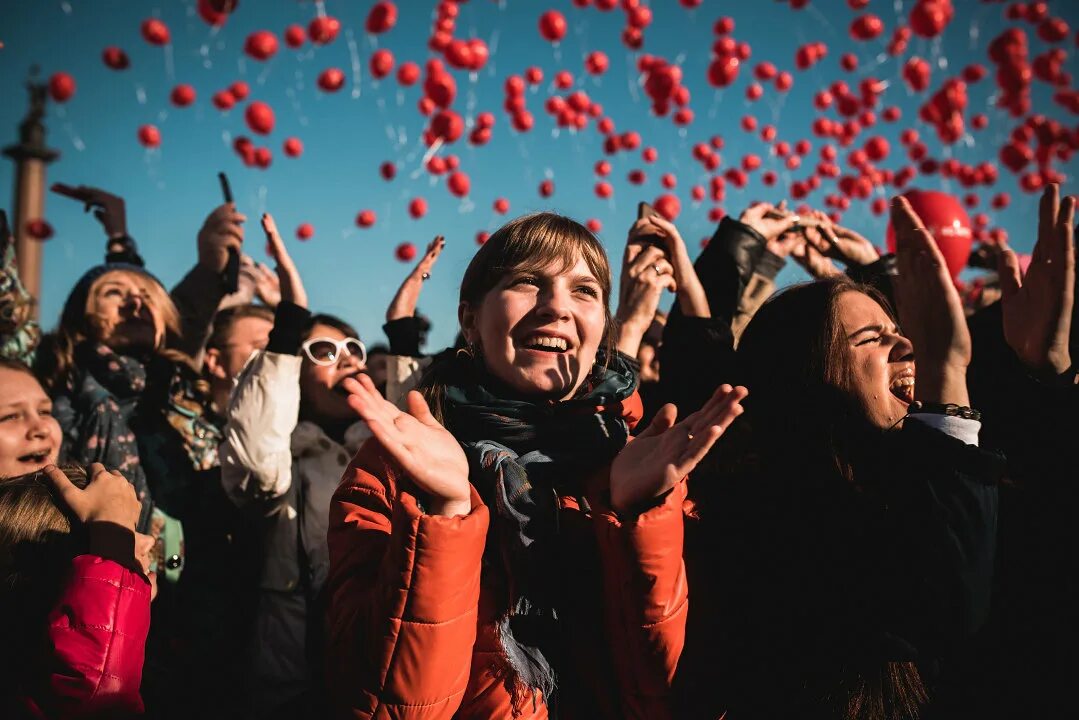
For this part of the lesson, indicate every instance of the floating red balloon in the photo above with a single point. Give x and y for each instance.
(502, 206)
(239, 90)
(261, 45)
(459, 184)
(295, 36)
(223, 100)
(39, 229)
(182, 95)
(552, 26)
(594, 225)
(155, 32)
(596, 62)
(947, 221)
(366, 218)
(866, 27)
(381, 63)
(382, 17)
(405, 252)
(293, 147)
(546, 188)
(305, 231)
(115, 58)
(259, 117)
(408, 73)
(928, 18)
(331, 79)
(387, 170)
(668, 206)
(417, 208)
(149, 136)
(212, 16)
(324, 30)
(61, 87)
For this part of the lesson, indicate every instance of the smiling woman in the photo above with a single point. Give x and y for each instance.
(29, 434)
(490, 512)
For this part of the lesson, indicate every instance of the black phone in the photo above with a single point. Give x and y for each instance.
(646, 210)
(232, 267)
(5, 234)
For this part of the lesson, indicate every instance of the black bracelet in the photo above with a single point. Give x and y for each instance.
(951, 409)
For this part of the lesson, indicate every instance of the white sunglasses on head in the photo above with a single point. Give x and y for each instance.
(327, 351)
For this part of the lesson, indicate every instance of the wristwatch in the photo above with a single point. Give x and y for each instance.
(961, 411)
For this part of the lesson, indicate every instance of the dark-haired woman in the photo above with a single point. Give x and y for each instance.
(855, 536)
(475, 572)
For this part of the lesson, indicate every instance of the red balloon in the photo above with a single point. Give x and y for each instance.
(724, 26)
(480, 53)
(115, 58)
(212, 16)
(182, 95)
(155, 32)
(928, 18)
(866, 27)
(259, 117)
(239, 90)
(596, 62)
(481, 237)
(305, 231)
(381, 63)
(723, 71)
(366, 218)
(668, 206)
(459, 184)
(848, 61)
(669, 181)
(603, 189)
(383, 17)
(916, 72)
(408, 73)
(39, 229)
(417, 208)
(293, 147)
(502, 206)
(594, 225)
(440, 87)
(552, 26)
(387, 170)
(447, 125)
(945, 218)
(61, 87)
(261, 45)
(149, 136)
(263, 157)
(323, 30)
(546, 188)
(405, 252)
(534, 76)
(331, 79)
(522, 121)
(295, 36)
(223, 100)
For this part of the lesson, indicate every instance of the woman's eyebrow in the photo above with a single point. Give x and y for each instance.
(867, 328)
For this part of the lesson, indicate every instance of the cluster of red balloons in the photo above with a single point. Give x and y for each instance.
(928, 18)
(663, 84)
(728, 54)
(252, 156)
(460, 54)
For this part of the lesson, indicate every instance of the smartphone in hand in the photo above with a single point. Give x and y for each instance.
(646, 210)
(232, 267)
(5, 234)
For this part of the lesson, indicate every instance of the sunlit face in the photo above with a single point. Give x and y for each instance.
(122, 315)
(539, 332)
(29, 434)
(247, 335)
(320, 385)
(882, 360)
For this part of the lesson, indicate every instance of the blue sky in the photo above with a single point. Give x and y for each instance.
(352, 272)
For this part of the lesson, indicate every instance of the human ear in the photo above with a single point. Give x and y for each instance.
(467, 317)
(213, 364)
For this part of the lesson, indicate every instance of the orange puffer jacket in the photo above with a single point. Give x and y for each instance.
(412, 623)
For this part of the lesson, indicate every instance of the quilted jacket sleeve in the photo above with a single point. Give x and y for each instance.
(97, 633)
(647, 600)
(403, 592)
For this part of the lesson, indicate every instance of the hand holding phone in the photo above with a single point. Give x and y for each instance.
(232, 267)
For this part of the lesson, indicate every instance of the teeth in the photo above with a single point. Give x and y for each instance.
(903, 382)
(548, 342)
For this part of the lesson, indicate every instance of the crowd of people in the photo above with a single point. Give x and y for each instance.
(853, 498)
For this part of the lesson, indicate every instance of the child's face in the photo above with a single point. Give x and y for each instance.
(29, 434)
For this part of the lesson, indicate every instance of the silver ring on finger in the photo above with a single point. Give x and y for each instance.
(425, 276)
(655, 269)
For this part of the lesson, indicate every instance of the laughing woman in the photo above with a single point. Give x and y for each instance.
(852, 544)
(491, 547)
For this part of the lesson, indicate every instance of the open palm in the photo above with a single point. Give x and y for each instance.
(424, 449)
(1038, 308)
(667, 451)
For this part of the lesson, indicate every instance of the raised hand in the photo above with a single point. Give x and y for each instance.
(267, 285)
(109, 209)
(646, 272)
(288, 276)
(223, 230)
(691, 296)
(930, 310)
(806, 254)
(768, 220)
(424, 449)
(1038, 308)
(667, 451)
(404, 302)
(108, 497)
(840, 243)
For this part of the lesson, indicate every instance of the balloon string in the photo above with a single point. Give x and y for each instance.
(354, 54)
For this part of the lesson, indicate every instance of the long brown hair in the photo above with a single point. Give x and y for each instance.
(526, 243)
(802, 421)
(55, 363)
